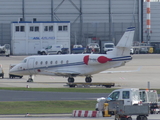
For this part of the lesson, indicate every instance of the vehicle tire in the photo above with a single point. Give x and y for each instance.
(71, 85)
(43, 53)
(58, 52)
(107, 86)
(20, 77)
(129, 118)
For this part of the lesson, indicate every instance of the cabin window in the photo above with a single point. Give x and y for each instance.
(36, 62)
(46, 62)
(56, 62)
(62, 28)
(61, 61)
(41, 62)
(24, 61)
(51, 62)
(125, 95)
(19, 28)
(67, 62)
(48, 28)
(114, 95)
(65, 28)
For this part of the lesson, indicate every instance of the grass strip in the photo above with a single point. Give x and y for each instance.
(39, 107)
(84, 90)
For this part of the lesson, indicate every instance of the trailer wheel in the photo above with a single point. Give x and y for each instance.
(141, 117)
(129, 118)
(107, 86)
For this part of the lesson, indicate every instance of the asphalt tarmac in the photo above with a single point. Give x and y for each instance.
(145, 69)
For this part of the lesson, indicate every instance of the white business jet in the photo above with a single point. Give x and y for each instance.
(72, 65)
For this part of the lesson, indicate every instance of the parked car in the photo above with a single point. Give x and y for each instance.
(132, 51)
(53, 49)
(11, 75)
(108, 47)
(93, 48)
(78, 49)
(1, 72)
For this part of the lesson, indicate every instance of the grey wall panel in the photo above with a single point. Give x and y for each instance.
(92, 18)
(67, 6)
(95, 6)
(38, 17)
(9, 18)
(37, 6)
(10, 7)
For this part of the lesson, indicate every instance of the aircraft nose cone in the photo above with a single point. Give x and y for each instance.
(13, 70)
(103, 59)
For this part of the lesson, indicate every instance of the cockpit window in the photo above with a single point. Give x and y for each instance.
(24, 61)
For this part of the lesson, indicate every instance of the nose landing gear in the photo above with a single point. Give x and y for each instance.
(30, 79)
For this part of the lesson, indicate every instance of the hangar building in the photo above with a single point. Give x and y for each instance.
(96, 20)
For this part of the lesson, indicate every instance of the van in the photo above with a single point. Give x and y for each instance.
(129, 95)
(54, 49)
(108, 47)
(93, 48)
(1, 72)
(11, 75)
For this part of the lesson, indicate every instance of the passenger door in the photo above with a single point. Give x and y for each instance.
(31, 66)
(126, 96)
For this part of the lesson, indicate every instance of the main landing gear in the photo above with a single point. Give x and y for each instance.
(30, 79)
(71, 80)
(87, 79)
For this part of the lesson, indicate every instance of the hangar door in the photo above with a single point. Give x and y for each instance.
(19, 47)
(33, 47)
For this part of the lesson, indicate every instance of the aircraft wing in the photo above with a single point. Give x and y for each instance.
(121, 71)
(63, 72)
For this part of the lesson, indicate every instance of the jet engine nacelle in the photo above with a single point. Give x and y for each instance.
(91, 60)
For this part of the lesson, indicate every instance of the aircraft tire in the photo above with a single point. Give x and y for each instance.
(30, 80)
(71, 80)
(88, 79)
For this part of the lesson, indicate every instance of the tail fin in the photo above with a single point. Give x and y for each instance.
(124, 45)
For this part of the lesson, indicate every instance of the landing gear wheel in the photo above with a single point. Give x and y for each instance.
(30, 80)
(88, 79)
(71, 80)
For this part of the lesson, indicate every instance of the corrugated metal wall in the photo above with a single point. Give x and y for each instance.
(89, 18)
(155, 22)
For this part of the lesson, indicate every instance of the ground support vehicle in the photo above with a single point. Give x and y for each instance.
(1, 72)
(81, 84)
(5, 50)
(151, 97)
(53, 49)
(11, 75)
(78, 49)
(108, 47)
(129, 95)
(93, 48)
(124, 112)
